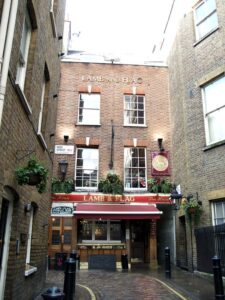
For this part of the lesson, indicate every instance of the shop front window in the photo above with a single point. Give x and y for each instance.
(100, 231)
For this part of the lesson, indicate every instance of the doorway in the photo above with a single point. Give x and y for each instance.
(139, 241)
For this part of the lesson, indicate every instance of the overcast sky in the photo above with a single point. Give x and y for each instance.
(118, 26)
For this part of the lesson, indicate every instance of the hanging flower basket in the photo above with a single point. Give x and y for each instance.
(34, 174)
(192, 210)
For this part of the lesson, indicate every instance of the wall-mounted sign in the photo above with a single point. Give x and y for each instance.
(64, 149)
(62, 209)
(160, 163)
(107, 198)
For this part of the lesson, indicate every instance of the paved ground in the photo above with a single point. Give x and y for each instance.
(137, 284)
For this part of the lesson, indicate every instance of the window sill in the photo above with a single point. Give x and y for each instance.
(205, 36)
(135, 125)
(53, 23)
(23, 99)
(214, 145)
(83, 124)
(30, 270)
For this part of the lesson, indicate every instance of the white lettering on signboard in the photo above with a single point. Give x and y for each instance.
(64, 149)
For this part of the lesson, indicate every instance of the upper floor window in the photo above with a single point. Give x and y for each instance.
(135, 168)
(89, 109)
(86, 176)
(219, 212)
(214, 110)
(24, 50)
(205, 18)
(134, 110)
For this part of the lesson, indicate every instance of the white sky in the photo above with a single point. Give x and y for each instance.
(118, 26)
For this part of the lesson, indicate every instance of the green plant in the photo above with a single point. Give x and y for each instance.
(192, 209)
(62, 186)
(111, 185)
(156, 185)
(24, 175)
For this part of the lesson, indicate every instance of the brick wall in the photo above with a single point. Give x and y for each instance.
(191, 64)
(113, 81)
(18, 135)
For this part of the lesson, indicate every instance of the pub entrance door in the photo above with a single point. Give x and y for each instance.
(61, 235)
(139, 241)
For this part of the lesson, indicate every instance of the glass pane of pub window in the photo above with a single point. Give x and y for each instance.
(86, 230)
(67, 237)
(55, 237)
(55, 222)
(115, 230)
(101, 230)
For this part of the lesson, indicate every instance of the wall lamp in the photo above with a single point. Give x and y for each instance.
(160, 144)
(63, 167)
(66, 138)
(176, 198)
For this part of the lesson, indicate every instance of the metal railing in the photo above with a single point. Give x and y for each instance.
(210, 241)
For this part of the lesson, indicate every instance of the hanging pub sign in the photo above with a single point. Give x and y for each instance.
(62, 209)
(160, 163)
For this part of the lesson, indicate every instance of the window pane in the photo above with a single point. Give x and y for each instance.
(67, 237)
(55, 237)
(89, 109)
(216, 126)
(135, 168)
(133, 109)
(101, 230)
(115, 230)
(67, 221)
(86, 230)
(55, 222)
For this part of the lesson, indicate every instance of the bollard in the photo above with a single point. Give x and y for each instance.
(167, 263)
(124, 261)
(70, 279)
(73, 255)
(218, 281)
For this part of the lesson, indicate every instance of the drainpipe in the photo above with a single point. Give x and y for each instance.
(7, 53)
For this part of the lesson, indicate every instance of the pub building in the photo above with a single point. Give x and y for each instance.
(113, 119)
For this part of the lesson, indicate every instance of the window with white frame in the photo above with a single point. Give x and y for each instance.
(135, 168)
(29, 237)
(134, 110)
(42, 121)
(86, 174)
(89, 109)
(205, 18)
(214, 110)
(24, 50)
(100, 231)
(218, 212)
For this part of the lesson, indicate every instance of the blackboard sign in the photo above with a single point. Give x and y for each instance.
(104, 262)
(60, 259)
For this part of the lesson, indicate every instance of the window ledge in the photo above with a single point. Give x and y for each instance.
(23, 99)
(42, 140)
(205, 36)
(83, 124)
(214, 145)
(30, 270)
(53, 23)
(135, 125)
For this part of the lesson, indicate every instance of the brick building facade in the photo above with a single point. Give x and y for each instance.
(30, 70)
(108, 112)
(196, 67)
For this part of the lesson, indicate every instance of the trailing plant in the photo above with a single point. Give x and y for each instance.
(157, 185)
(62, 186)
(34, 173)
(111, 185)
(192, 209)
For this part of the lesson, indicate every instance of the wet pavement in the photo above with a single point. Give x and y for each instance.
(135, 284)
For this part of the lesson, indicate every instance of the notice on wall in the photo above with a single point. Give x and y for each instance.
(64, 149)
(62, 209)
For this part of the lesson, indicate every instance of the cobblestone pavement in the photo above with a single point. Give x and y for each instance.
(135, 285)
